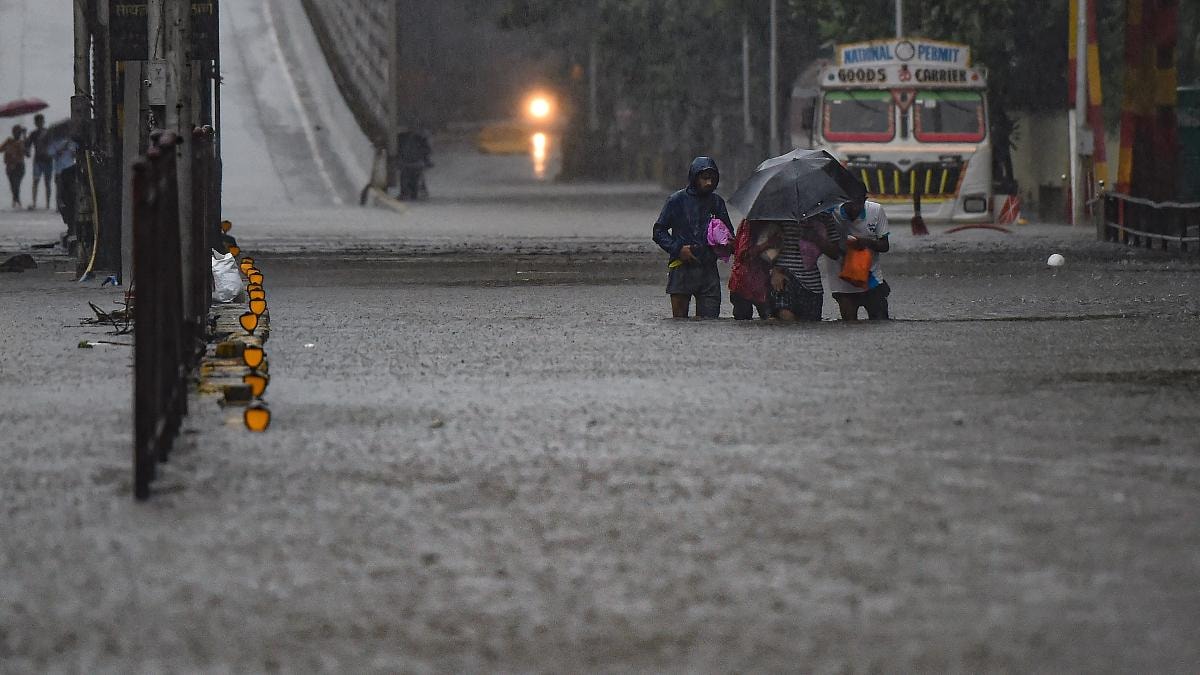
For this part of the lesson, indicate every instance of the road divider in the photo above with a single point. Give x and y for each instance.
(235, 368)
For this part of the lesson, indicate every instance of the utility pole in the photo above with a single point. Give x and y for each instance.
(774, 75)
(899, 19)
(747, 127)
(177, 16)
(1078, 114)
(81, 125)
(108, 257)
(83, 80)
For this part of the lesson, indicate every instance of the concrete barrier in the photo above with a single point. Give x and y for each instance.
(354, 35)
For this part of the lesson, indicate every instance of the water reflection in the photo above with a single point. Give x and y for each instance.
(539, 152)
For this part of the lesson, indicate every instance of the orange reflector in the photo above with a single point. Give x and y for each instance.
(255, 277)
(258, 306)
(253, 355)
(257, 418)
(253, 287)
(257, 293)
(249, 322)
(235, 250)
(226, 226)
(258, 383)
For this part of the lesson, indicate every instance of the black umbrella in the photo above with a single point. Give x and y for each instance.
(797, 186)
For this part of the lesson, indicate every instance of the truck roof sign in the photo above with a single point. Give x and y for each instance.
(911, 51)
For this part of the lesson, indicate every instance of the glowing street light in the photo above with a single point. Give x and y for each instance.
(539, 107)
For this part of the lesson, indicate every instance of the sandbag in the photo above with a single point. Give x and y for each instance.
(227, 279)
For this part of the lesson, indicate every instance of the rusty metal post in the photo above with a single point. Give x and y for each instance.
(147, 331)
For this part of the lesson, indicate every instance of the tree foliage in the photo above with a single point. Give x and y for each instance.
(671, 69)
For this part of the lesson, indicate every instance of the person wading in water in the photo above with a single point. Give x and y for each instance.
(682, 231)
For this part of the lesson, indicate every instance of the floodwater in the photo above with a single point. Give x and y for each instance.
(492, 450)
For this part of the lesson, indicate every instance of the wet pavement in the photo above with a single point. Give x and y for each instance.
(491, 451)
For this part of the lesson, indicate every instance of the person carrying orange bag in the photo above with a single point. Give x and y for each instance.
(856, 265)
(857, 281)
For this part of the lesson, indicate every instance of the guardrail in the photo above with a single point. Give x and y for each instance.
(1141, 222)
(168, 331)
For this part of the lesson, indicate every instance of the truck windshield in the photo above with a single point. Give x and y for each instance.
(864, 116)
(949, 117)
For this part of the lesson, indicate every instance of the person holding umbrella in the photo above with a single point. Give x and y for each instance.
(796, 191)
(796, 292)
(13, 148)
(682, 231)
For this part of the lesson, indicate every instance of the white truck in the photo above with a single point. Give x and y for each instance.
(909, 117)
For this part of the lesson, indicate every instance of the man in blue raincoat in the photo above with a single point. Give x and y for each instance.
(682, 231)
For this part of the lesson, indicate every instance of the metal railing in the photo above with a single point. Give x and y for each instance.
(1141, 222)
(169, 328)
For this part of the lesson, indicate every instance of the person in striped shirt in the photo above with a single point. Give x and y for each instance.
(796, 292)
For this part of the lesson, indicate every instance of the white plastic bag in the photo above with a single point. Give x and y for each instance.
(227, 280)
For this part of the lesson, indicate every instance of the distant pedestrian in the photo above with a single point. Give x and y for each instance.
(750, 277)
(38, 146)
(682, 231)
(415, 155)
(796, 291)
(864, 226)
(13, 148)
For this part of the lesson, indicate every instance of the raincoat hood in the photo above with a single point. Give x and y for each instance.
(700, 165)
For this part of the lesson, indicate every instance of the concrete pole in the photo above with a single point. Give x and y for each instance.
(899, 19)
(747, 126)
(81, 122)
(774, 75)
(83, 80)
(178, 21)
(1078, 188)
(108, 256)
(158, 33)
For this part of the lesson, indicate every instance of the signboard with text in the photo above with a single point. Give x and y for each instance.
(902, 75)
(130, 34)
(913, 51)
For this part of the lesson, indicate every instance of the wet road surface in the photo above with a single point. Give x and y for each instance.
(497, 454)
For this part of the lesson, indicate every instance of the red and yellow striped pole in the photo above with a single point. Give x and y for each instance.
(1095, 101)
(1149, 161)
(1165, 162)
(1134, 97)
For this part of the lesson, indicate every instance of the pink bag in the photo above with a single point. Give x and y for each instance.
(720, 238)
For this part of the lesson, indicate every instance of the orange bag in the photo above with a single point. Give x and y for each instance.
(856, 266)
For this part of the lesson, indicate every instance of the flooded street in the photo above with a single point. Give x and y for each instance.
(485, 445)
(494, 452)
